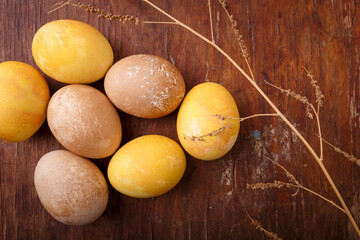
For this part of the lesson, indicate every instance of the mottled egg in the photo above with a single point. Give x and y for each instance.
(145, 86)
(71, 188)
(208, 121)
(84, 121)
(147, 166)
(71, 51)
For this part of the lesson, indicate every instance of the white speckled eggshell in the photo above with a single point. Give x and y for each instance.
(71, 188)
(145, 86)
(84, 121)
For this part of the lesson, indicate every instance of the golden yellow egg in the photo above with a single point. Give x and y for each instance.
(147, 166)
(24, 95)
(208, 121)
(71, 51)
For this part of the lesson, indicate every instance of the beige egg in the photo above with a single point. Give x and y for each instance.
(145, 86)
(84, 121)
(71, 188)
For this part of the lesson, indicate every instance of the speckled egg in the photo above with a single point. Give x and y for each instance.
(84, 121)
(71, 188)
(145, 86)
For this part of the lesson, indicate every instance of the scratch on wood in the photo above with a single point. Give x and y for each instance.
(172, 60)
(234, 174)
(207, 72)
(189, 229)
(206, 214)
(217, 26)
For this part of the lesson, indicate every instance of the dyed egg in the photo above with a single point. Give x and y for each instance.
(71, 188)
(24, 95)
(71, 51)
(84, 121)
(208, 121)
(145, 86)
(147, 166)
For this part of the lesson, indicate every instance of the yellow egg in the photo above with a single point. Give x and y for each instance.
(24, 95)
(70, 51)
(207, 122)
(147, 166)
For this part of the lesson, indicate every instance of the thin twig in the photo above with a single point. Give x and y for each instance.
(221, 129)
(154, 22)
(61, 4)
(319, 100)
(348, 156)
(267, 99)
(324, 198)
(320, 136)
(288, 174)
(213, 133)
(260, 115)
(221, 117)
(318, 94)
(211, 22)
(309, 107)
(297, 96)
(293, 180)
(238, 37)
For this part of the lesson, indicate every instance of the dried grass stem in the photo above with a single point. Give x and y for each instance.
(239, 37)
(348, 156)
(221, 129)
(260, 227)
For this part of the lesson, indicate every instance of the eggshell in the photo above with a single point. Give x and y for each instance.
(71, 188)
(200, 127)
(145, 86)
(71, 51)
(24, 95)
(84, 121)
(147, 166)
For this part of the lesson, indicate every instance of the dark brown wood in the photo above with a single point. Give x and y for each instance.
(212, 200)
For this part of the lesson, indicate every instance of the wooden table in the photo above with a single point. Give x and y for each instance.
(212, 199)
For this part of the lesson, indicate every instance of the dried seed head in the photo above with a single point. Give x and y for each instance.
(298, 97)
(100, 12)
(238, 36)
(275, 184)
(318, 93)
(258, 226)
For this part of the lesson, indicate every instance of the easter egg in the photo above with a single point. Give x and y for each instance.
(24, 96)
(71, 51)
(208, 121)
(147, 166)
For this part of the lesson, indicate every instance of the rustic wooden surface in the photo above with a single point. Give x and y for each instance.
(212, 201)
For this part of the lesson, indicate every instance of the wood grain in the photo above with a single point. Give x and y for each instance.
(212, 200)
